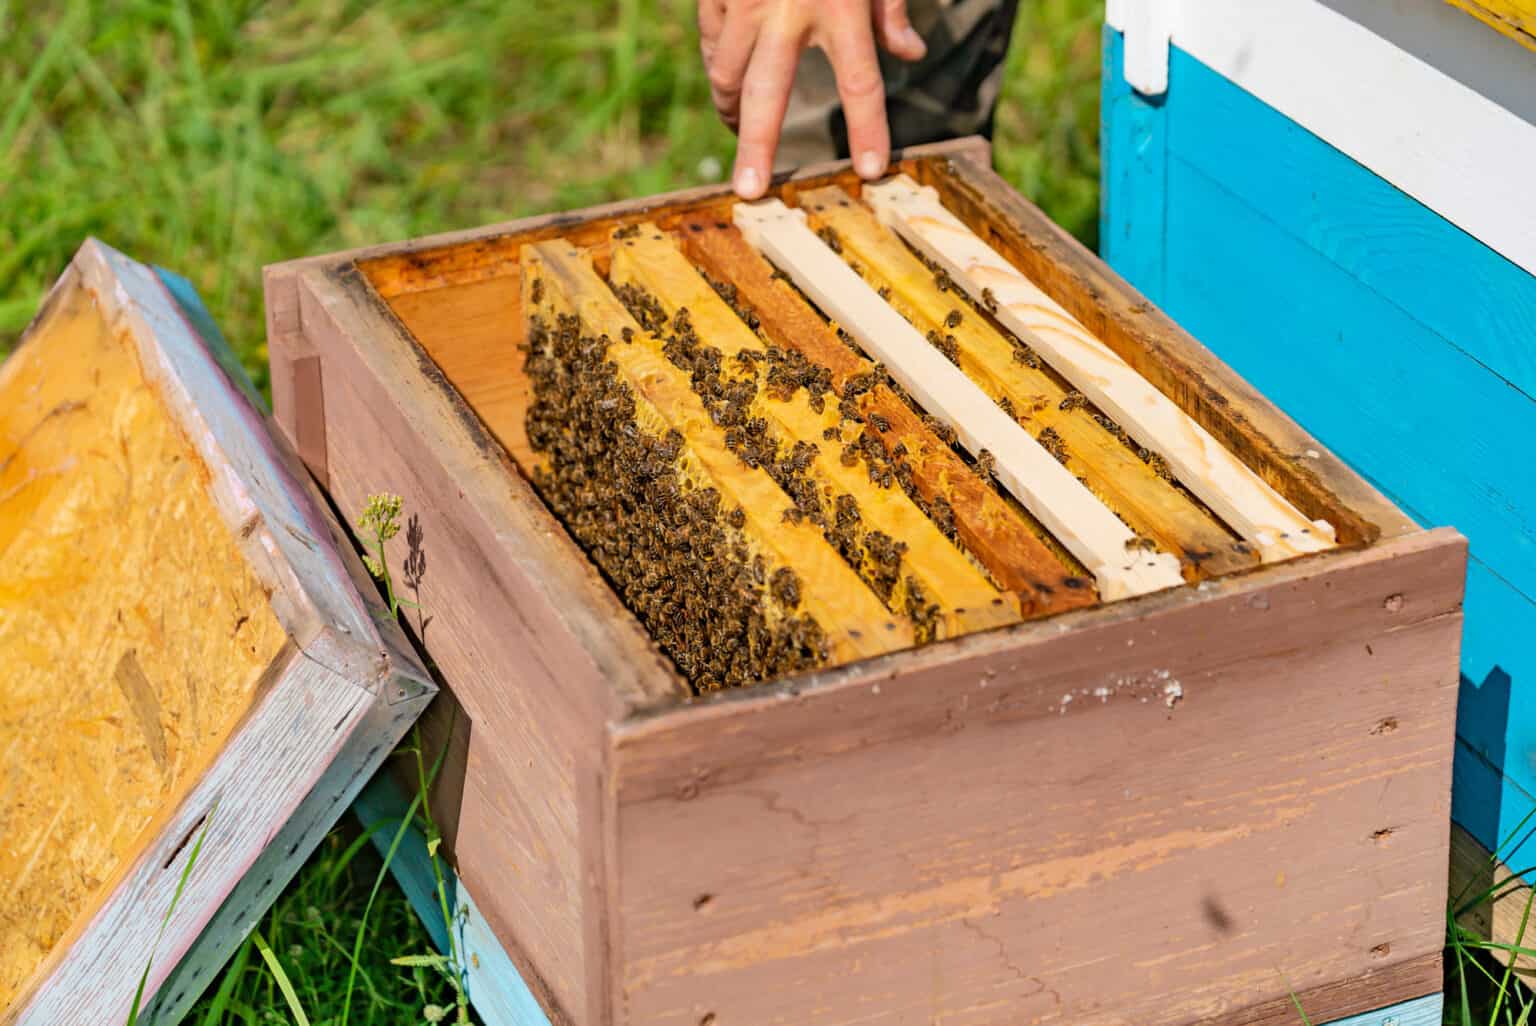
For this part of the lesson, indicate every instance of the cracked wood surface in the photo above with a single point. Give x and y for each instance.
(1259, 779)
(532, 642)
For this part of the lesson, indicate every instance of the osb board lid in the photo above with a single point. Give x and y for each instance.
(164, 568)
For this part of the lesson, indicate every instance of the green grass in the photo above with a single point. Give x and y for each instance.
(216, 137)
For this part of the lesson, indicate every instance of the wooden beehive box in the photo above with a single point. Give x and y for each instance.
(195, 686)
(1173, 779)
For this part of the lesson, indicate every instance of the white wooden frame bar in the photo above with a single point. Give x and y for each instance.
(1073, 514)
(1245, 501)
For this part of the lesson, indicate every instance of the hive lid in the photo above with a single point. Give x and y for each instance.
(198, 672)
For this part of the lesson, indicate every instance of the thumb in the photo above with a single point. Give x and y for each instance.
(895, 31)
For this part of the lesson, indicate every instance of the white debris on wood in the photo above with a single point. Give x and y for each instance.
(1157, 684)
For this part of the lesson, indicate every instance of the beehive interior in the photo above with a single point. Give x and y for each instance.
(133, 633)
(760, 491)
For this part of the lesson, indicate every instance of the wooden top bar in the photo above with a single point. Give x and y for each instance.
(999, 534)
(1152, 506)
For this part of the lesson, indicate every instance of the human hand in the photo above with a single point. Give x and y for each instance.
(752, 47)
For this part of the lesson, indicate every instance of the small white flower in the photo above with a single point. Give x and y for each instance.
(434, 1013)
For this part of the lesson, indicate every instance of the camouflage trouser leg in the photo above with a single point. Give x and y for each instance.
(951, 92)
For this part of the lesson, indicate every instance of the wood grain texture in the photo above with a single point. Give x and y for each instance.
(574, 780)
(1240, 497)
(932, 569)
(1514, 18)
(473, 254)
(472, 332)
(312, 705)
(1226, 783)
(856, 623)
(1357, 1001)
(1083, 525)
(998, 534)
(1152, 507)
(368, 744)
(1379, 273)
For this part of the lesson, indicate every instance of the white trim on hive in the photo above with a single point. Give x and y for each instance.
(1441, 141)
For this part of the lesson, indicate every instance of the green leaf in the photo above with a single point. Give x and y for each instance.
(280, 976)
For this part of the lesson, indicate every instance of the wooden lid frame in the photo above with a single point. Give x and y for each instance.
(343, 690)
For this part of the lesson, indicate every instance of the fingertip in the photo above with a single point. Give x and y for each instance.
(870, 164)
(911, 45)
(749, 182)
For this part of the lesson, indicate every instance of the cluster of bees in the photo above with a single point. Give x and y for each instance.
(675, 556)
(782, 373)
(679, 560)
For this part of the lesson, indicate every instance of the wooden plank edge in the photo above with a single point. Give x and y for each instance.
(501, 997)
(1413, 984)
(305, 719)
(1077, 519)
(1260, 590)
(1507, 17)
(1134, 490)
(1240, 497)
(364, 752)
(276, 522)
(494, 241)
(1422, 1011)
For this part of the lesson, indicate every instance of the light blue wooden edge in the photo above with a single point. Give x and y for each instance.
(1424, 1011)
(1134, 159)
(1337, 296)
(495, 987)
(202, 322)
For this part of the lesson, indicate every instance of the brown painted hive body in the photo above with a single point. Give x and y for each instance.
(1105, 812)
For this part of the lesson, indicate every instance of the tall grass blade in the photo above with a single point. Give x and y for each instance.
(181, 885)
(280, 976)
